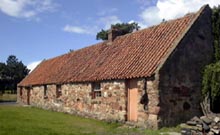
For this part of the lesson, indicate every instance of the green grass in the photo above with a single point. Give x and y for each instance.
(8, 97)
(16, 120)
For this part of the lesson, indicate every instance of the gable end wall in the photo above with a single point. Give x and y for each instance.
(181, 75)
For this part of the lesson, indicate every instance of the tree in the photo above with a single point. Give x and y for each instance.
(12, 73)
(103, 34)
(2, 71)
(123, 28)
(211, 74)
(211, 85)
(16, 71)
(216, 31)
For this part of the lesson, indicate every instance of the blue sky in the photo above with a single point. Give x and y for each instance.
(34, 30)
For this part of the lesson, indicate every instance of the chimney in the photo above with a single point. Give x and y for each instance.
(112, 34)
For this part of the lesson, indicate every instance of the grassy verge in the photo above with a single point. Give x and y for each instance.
(8, 97)
(15, 120)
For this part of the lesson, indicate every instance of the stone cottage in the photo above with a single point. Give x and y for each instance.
(149, 78)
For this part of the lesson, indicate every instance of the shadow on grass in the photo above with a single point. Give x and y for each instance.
(8, 101)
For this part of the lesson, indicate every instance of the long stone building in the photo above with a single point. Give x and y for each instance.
(150, 78)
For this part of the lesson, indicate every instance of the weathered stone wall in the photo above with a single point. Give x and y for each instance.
(153, 104)
(76, 98)
(112, 105)
(181, 75)
(148, 103)
(19, 97)
(22, 96)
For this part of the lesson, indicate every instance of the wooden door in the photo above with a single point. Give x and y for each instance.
(132, 100)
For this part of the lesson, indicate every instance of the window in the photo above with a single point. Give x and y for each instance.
(96, 90)
(45, 92)
(58, 91)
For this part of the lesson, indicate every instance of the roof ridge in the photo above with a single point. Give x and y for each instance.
(157, 25)
(168, 21)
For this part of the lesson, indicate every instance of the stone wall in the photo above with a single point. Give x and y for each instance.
(181, 75)
(76, 98)
(111, 106)
(22, 95)
(148, 103)
(153, 104)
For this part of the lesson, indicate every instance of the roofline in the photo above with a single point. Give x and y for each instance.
(178, 40)
(18, 85)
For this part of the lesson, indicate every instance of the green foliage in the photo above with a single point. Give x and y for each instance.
(103, 34)
(123, 29)
(211, 75)
(211, 81)
(12, 73)
(3, 70)
(216, 31)
(16, 69)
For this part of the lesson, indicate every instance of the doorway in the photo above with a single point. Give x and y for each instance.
(132, 100)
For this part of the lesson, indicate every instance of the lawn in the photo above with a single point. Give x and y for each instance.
(16, 120)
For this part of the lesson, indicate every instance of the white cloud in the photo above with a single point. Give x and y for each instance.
(131, 21)
(25, 8)
(33, 65)
(108, 21)
(74, 29)
(149, 16)
(78, 29)
(170, 9)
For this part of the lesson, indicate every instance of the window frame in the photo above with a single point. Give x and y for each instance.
(96, 90)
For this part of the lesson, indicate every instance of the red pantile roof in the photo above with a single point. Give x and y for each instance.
(130, 56)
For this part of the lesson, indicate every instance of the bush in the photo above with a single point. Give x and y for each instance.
(211, 82)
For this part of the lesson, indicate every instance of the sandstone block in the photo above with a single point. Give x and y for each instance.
(216, 119)
(215, 131)
(206, 119)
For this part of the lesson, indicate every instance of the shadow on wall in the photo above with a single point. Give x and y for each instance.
(145, 100)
